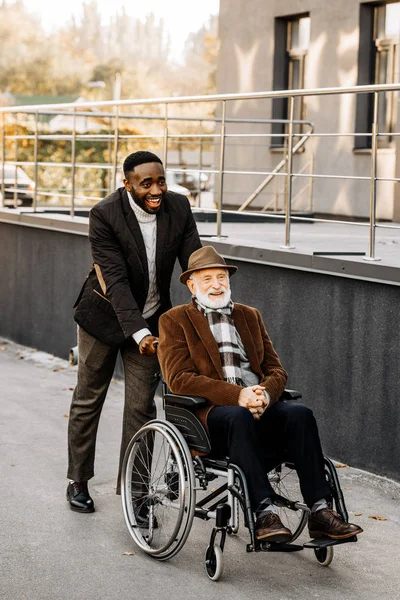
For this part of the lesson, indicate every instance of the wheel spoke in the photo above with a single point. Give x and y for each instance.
(285, 482)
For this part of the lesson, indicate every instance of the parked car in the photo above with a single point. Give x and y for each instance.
(25, 186)
(193, 180)
(174, 186)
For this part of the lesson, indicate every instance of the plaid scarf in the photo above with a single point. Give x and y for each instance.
(224, 331)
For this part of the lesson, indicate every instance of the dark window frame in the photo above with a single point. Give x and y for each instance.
(368, 60)
(282, 68)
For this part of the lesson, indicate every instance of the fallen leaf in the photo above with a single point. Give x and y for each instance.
(341, 465)
(377, 518)
(72, 389)
(347, 488)
(21, 357)
(129, 553)
(66, 416)
(55, 370)
(2, 348)
(357, 514)
(62, 368)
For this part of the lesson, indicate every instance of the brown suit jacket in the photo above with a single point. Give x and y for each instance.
(190, 360)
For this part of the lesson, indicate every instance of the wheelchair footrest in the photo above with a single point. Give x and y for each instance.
(274, 547)
(325, 542)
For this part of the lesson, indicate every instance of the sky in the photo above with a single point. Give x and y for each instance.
(181, 17)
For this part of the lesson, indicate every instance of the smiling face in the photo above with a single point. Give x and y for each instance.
(211, 287)
(146, 183)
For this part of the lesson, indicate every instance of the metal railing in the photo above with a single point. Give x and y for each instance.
(308, 167)
(299, 146)
(114, 138)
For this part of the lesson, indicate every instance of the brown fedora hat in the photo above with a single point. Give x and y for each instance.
(205, 258)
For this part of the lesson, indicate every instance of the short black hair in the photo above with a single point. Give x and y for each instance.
(139, 158)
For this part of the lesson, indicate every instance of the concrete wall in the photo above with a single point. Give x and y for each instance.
(246, 65)
(338, 337)
(41, 272)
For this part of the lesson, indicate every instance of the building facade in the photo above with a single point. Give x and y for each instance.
(291, 44)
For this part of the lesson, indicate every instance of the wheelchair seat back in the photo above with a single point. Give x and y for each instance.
(179, 410)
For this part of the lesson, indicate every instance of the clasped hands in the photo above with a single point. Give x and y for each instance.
(254, 399)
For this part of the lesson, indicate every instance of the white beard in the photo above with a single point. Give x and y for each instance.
(216, 301)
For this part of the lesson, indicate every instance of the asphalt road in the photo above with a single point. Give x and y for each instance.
(48, 552)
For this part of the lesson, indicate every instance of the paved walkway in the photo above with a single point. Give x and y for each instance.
(48, 552)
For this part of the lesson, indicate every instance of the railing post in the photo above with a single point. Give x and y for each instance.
(372, 188)
(110, 155)
(3, 158)
(276, 194)
(115, 154)
(221, 169)
(165, 144)
(311, 179)
(198, 199)
(16, 160)
(73, 164)
(289, 176)
(35, 158)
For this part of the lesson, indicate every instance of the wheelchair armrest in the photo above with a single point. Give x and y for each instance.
(290, 395)
(190, 402)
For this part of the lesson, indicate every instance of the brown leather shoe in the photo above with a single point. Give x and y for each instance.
(269, 527)
(327, 523)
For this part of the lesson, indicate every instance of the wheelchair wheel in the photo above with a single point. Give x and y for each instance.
(285, 482)
(324, 555)
(157, 489)
(214, 562)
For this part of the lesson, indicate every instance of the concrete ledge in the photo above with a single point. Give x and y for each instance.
(235, 247)
(52, 221)
(339, 266)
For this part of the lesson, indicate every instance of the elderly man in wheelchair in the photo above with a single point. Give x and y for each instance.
(218, 361)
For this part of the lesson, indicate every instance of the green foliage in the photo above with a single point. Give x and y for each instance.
(33, 61)
(63, 62)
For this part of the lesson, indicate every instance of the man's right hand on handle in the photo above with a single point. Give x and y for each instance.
(148, 345)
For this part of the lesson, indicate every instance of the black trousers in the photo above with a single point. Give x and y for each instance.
(286, 431)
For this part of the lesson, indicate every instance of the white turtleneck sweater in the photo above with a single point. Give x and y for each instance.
(148, 227)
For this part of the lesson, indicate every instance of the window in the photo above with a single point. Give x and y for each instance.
(292, 40)
(387, 31)
(377, 56)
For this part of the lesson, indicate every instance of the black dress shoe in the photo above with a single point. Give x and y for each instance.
(79, 498)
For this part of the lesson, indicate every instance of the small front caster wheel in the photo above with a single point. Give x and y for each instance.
(324, 555)
(214, 562)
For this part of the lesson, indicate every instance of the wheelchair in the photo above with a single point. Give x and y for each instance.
(168, 462)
